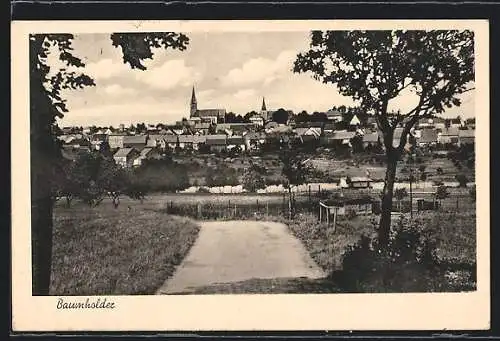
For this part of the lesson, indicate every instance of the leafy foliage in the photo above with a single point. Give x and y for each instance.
(409, 263)
(374, 67)
(253, 178)
(47, 104)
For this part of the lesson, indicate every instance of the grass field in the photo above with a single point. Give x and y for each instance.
(454, 231)
(107, 251)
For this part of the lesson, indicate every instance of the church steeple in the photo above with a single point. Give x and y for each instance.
(194, 104)
(263, 105)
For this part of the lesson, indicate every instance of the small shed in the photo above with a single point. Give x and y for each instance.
(361, 206)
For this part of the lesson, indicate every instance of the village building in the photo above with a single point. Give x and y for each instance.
(338, 138)
(427, 137)
(253, 140)
(355, 122)
(370, 139)
(334, 115)
(355, 182)
(466, 136)
(236, 141)
(448, 136)
(115, 141)
(217, 143)
(135, 141)
(125, 157)
(146, 154)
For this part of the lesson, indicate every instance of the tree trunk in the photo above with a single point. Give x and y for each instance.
(290, 216)
(68, 201)
(387, 194)
(41, 241)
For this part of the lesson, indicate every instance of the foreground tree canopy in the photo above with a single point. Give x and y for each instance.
(375, 67)
(47, 104)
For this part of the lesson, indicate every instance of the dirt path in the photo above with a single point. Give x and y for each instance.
(234, 251)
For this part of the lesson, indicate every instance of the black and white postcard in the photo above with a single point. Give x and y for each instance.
(250, 175)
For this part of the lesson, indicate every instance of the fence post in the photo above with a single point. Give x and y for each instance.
(309, 193)
(267, 208)
(198, 210)
(234, 214)
(457, 203)
(171, 206)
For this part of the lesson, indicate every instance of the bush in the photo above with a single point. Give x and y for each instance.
(203, 190)
(408, 264)
(350, 214)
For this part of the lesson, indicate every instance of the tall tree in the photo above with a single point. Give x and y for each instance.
(295, 172)
(375, 67)
(47, 104)
(280, 116)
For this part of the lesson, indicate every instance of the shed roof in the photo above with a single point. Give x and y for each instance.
(123, 152)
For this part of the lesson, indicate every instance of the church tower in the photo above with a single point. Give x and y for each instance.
(194, 104)
(263, 110)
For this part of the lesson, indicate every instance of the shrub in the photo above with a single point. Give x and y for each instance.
(350, 214)
(439, 171)
(408, 264)
(203, 190)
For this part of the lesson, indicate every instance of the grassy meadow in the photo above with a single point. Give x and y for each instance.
(108, 251)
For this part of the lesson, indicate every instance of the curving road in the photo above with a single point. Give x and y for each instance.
(233, 251)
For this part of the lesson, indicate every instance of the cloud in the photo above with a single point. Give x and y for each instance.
(245, 94)
(168, 75)
(106, 69)
(116, 89)
(261, 70)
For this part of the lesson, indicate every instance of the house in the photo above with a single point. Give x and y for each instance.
(338, 137)
(115, 141)
(355, 182)
(135, 141)
(171, 141)
(186, 141)
(301, 131)
(439, 122)
(334, 115)
(448, 136)
(253, 140)
(156, 140)
(78, 142)
(198, 140)
(355, 121)
(236, 141)
(456, 123)
(428, 137)
(146, 154)
(202, 127)
(217, 143)
(328, 127)
(370, 139)
(257, 120)
(470, 123)
(125, 157)
(466, 136)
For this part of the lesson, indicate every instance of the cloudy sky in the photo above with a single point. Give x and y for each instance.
(230, 70)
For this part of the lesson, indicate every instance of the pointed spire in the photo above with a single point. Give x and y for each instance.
(193, 96)
(194, 104)
(263, 104)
